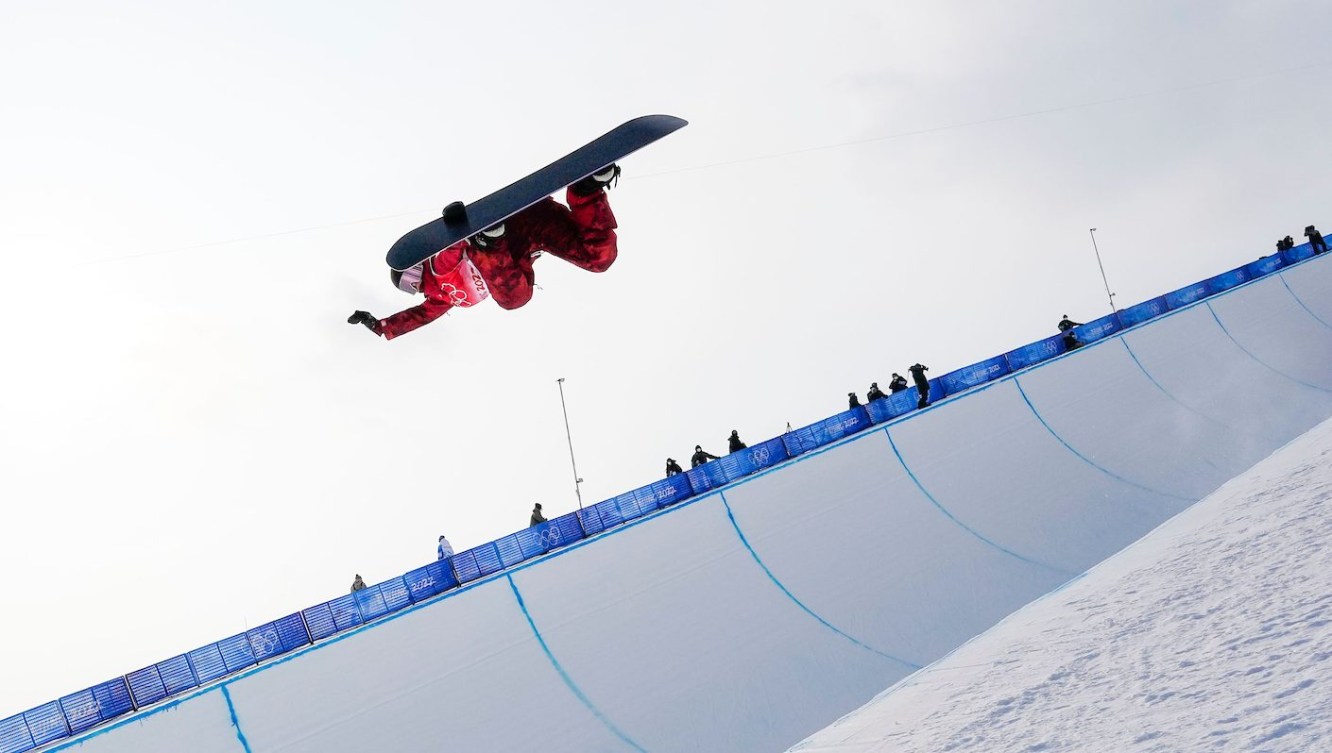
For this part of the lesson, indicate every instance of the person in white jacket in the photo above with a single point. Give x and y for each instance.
(445, 548)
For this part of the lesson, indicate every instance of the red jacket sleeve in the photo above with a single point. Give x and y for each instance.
(417, 316)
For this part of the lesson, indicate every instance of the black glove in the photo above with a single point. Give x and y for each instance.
(366, 318)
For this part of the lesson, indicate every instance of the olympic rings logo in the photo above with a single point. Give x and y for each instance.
(264, 644)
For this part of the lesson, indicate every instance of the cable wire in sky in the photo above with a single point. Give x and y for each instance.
(789, 153)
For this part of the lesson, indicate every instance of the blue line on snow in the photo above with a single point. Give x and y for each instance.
(731, 514)
(1087, 460)
(1248, 353)
(912, 475)
(1167, 392)
(568, 681)
(1301, 302)
(231, 709)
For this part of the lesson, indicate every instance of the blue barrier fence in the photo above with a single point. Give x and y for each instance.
(81, 711)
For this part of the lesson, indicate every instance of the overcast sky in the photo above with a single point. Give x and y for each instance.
(194, 196)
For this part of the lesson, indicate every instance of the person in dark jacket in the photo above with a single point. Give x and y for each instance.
(700, 457)
(537, 517)
(358, 584)
(672, 467)
(922, 384)
(1316, 241)
(874, 393)
(897, 383)
(852, 401)
(734, 440)
(1066, 326)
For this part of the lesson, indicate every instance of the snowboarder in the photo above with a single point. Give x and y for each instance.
(700, 457)
(1316, 241)
(897, 383)
(537, 517)
(852, 401)
(922, 384)
(734, 441)
(672, 467)
(497, 262)
(445, 549)
(874, 393)
(1066, 326)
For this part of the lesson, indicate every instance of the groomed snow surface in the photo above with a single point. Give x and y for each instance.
(1214, 633)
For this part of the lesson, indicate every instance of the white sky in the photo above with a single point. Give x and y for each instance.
(192, 440)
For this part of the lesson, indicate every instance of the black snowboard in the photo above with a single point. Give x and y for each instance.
(460, 222)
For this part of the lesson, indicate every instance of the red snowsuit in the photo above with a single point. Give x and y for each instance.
(582, 234)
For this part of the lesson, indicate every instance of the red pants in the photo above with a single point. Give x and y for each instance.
(582, 234)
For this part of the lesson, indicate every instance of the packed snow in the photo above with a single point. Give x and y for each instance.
(1212, 633)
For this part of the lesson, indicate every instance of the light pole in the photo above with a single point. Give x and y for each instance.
(1102, 266)
(572, 462)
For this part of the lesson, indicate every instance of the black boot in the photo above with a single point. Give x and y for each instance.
(597, 181)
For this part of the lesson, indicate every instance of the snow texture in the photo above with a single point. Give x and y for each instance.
(1213, 633)
(747, 620)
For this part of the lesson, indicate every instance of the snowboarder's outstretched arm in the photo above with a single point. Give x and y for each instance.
(417, 316)
(404, 321)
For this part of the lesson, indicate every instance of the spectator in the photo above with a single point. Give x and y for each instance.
(1316, 241)
(700, 457)
(874, 393)
(445, 548)
(537, 517)
(1066, 326)
(734, 440)
(852, 401)
(1289, 241)
(357, 584)
(672, 467)
(922, 384)
(897, 384)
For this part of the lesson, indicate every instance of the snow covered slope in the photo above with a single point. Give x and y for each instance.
(1213, 633)
(747, 619)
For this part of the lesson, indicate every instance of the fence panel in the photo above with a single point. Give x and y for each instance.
(14, 736)
(971, 376)
(830, 429)
(207, 663)
(113, 698)
(1137, 314)
(1264, 266)
(319, 620)
(1034, 353)
(665, 492)
(425, 582)
(236, 652)
(291, 632)
(751, 459)
(146, 686)
(346, 614)
(710, 475)
(1226, 280)
(892, 406)
(370, 602)
(46, 723)
(477, 562)
(1186, 295)
(1097, 329)
(1297, 254)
